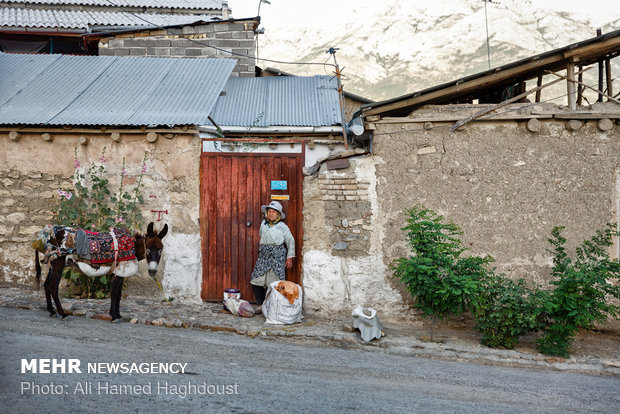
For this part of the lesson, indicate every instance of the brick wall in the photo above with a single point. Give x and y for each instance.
(190, 41)
(348, 210)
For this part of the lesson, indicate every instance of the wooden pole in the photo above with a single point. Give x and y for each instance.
(589, 87)
(600, 72)
(570, 86)
(538, 84)
(504, 103)
(610, 86)
(580, 88)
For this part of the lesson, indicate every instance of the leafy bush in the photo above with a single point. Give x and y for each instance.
(582, 289)
(440, 280)
(444, 283)
(93, 206)
(504, 310)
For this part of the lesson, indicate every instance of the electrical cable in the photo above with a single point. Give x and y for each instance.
(213, 47)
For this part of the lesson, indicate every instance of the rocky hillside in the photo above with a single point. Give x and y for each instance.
(411, 45)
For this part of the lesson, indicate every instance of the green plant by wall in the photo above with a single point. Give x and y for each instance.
(442, 282)
(92, 205)
(504, 311)
(582, 288)
(438, 278)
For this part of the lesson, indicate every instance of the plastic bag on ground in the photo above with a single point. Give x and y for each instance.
(278, 309)
(239, 307)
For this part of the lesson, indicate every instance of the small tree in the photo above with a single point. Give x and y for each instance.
(440, 280)
(582, 289)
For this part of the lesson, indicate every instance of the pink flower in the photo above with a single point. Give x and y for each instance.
(123, 172)
(120, 219)
(143, 167)
(103, 159)
(76, 163)
(65, 194)
(92, 226)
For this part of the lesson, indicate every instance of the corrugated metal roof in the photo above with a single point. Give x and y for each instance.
(107, 90)
(279, 101)
(165, 4)
(83, 19)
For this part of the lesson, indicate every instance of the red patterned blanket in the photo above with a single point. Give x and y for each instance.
(101, 246)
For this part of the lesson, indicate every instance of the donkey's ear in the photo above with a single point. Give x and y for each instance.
(163, 232)
(149, 230)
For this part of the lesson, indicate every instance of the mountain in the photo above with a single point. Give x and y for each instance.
(411, 45)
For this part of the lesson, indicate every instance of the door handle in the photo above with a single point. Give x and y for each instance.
(248, 223)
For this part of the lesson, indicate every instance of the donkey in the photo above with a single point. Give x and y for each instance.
(147, 247)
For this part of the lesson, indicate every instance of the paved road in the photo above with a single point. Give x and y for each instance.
(229, 373)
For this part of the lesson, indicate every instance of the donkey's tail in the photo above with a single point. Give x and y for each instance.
(37, 266)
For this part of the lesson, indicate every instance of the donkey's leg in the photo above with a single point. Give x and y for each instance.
(57, 275)
(48, 292)
(115, 297)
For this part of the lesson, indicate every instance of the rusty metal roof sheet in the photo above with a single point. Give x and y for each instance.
(279, 101)
(20, 17)
(106, 90)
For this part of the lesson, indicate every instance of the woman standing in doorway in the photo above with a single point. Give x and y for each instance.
(276, 250)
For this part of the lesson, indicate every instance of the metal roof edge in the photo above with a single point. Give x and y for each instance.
(346, 94)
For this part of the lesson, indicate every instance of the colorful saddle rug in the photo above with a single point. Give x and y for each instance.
(102, 249)
(96, 247)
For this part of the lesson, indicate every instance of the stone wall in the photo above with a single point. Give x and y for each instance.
(190, 41)
(505, 186)
(33, 169)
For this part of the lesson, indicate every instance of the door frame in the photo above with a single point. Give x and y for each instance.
(301, 152)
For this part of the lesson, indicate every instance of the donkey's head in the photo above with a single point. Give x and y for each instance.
(154, 247)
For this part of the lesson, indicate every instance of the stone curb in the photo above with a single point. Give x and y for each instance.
(336, 336)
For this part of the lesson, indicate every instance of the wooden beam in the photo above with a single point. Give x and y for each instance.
(600, 72)
(589, 87)
(581, 55)
(538, 84)
(610, 83)
(512, 116)
(570, 86)
(468, 86)
(580, 88)
(504, 103)
(63, 131)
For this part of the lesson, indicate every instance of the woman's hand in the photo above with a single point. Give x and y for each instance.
(289, 262)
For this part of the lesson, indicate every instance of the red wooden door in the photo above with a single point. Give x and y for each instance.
(233, 188)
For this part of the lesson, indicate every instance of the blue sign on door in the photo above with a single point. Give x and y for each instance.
(278, 185)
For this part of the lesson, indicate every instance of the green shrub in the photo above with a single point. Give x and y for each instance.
(438, 278)
(581, 292)
(504, 310)
(443, 283)
(93, 206)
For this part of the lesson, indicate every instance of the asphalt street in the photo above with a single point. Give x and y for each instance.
(225, 372)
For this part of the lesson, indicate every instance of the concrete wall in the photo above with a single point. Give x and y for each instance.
(504, 186)
(33, 169)
(190, 41)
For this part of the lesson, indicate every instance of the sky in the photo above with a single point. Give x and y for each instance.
(308, 12)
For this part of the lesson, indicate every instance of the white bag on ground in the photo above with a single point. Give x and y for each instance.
(278, 310)
(239, 307)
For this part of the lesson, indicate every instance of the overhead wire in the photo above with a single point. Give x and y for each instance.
(211, 46)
